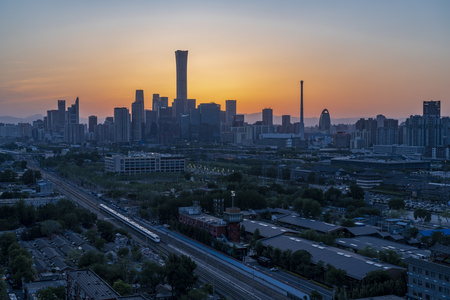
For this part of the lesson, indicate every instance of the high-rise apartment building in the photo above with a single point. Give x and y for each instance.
(138, 117)
(267, 116)
(92, 123)
(73, 130)
(230, 111)
(432, 108)
(73, 113)
(61, 113)
(426, 130)
(286, 123)
(121, 125)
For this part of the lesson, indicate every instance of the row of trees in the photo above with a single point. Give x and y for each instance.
(45, 220)
(17, 259)
(387, 256)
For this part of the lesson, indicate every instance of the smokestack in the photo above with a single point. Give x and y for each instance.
(302, 125)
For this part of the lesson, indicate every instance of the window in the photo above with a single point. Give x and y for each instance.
(427, 285)
(419, 282)
(427, 272)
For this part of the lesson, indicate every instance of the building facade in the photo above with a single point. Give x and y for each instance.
(144, 163)
(427, 280)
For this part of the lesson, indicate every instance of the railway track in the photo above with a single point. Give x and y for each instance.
(226, 280)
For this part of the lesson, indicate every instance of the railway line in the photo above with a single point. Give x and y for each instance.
(226, 280)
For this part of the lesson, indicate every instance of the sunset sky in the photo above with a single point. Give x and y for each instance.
(357, 58)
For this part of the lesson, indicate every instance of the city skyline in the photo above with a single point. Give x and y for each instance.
(357, 59)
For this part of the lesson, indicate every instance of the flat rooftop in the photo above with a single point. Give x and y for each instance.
(356, 266)
(265, 229)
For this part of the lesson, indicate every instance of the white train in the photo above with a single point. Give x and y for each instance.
(154, 237)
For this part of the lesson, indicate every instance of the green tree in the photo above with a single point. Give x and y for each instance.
(311, 177)
(52, 293)
(124, 289)
(335, 276)
(99, 243)
(446, 214)
(396, 203)
(152, 275)
(22, 268)
(347, 223)
(413, 231)
(136, 253)
(6, 240)
(332, 194)
(106, 230)
(369, 252)
(123, 252)
(422, 214)
(179, 271)
(355, 191)
(242, 231)
(315, 295)
(316, 210)
(390, 257)
(235, 177)
(91, 257)
(50, 227)
(30, 176)
(259, 248)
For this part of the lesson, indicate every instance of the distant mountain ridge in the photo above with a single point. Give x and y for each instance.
(15, 120)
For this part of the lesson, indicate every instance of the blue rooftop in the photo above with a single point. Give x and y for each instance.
(430, 232)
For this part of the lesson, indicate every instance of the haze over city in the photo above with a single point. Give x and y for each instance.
(357, 59)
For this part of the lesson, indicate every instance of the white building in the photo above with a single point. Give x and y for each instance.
(144, 163)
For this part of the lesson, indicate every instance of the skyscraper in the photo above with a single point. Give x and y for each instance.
(432, 108)
(230, 111)
(138, 116)
(73, 113)
(285, 123)
(73, 130)
(121, 125)
(92, 123)
(61, 113)
(181, 61)
(209, 130)
(325, 121)
(267, 116)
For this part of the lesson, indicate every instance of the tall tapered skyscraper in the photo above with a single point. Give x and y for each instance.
(181, 61)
